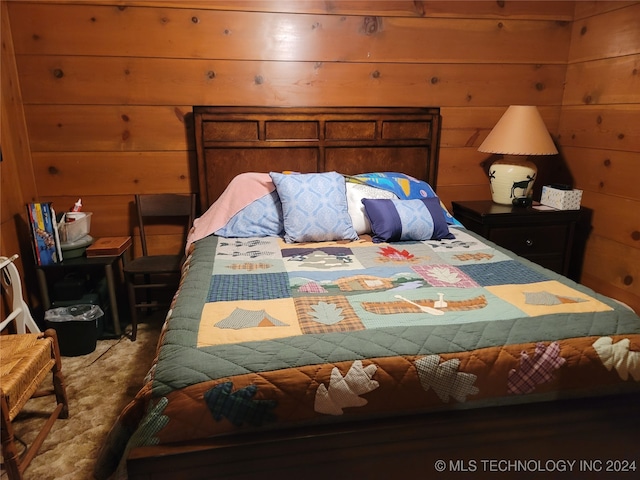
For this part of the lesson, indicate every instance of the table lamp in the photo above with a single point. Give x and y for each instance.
(519, 133)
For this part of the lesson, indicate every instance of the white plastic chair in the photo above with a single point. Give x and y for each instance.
(10, 279)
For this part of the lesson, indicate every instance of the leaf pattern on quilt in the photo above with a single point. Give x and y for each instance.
(445, 379)
(150, 425)
(535, 370)
(327, 313)
(445, 274)
(395, 254)
(345, 391)
(617, 355)
(239, 407)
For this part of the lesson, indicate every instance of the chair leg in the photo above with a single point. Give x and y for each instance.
(132, 306)
(15, 463)
(9, 450)
(145, 300)
(59, 387)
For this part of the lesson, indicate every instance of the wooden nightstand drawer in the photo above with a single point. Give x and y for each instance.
(542, 240)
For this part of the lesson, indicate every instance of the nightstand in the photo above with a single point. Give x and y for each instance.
(545, 237)
(109, 265)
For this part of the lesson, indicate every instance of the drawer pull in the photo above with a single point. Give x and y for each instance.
(528, 242)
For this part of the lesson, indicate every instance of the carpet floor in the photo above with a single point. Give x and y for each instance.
(99, 385)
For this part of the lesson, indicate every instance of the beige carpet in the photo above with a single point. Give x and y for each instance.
(99, 385)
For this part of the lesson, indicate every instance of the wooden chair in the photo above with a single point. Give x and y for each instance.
(27, 360)
(159, 273)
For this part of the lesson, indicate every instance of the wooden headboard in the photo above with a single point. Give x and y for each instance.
(233, 140)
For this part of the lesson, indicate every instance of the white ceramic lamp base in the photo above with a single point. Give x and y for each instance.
(511, 178)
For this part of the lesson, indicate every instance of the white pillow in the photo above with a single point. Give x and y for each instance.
(355, 193)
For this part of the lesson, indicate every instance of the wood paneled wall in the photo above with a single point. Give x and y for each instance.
(108, 89)
(107, 86)
(599, 137)
(17, 184)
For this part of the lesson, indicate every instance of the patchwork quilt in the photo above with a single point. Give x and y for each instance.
(266, 335)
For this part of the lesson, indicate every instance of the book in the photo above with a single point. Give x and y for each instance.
(46, 249)
(108, 246)
(56, 234)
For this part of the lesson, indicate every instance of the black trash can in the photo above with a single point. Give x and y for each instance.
(88, 299)
(76, 327)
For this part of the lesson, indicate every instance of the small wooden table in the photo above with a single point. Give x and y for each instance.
(84, 264)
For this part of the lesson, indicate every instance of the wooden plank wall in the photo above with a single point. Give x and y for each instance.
(600, 139)
(17, 183)
(107, 86)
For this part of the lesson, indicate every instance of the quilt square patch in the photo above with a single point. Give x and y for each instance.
(248, 248)
(444, 276)
(548, 297)
(503, 273)
(354, 281)
(245, 266)
(401, 254)
(472, 257)
(462, 243)
(326, 315)
(320, 259)
(248, 320)
(263, 286)
(459, 305)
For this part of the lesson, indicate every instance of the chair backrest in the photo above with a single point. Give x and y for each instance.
(10, 280)
(177, 207)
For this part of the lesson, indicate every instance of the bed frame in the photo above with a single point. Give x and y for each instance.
(592, 431)
(233, 140)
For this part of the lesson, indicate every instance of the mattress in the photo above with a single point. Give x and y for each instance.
(265, 334)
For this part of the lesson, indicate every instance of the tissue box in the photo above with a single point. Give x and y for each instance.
(561, 199)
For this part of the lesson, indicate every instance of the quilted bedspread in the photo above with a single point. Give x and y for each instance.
(265, 334)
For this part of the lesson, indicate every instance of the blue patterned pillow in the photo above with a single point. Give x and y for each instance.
(314, 207)
(404, 220)
(403, 186)
(261, 218)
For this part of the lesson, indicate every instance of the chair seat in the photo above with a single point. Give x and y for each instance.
(26, 361)
(155, 264)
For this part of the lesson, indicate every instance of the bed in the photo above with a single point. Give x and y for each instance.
(357, 329)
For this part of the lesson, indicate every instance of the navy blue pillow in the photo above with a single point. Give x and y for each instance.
(403, 220)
